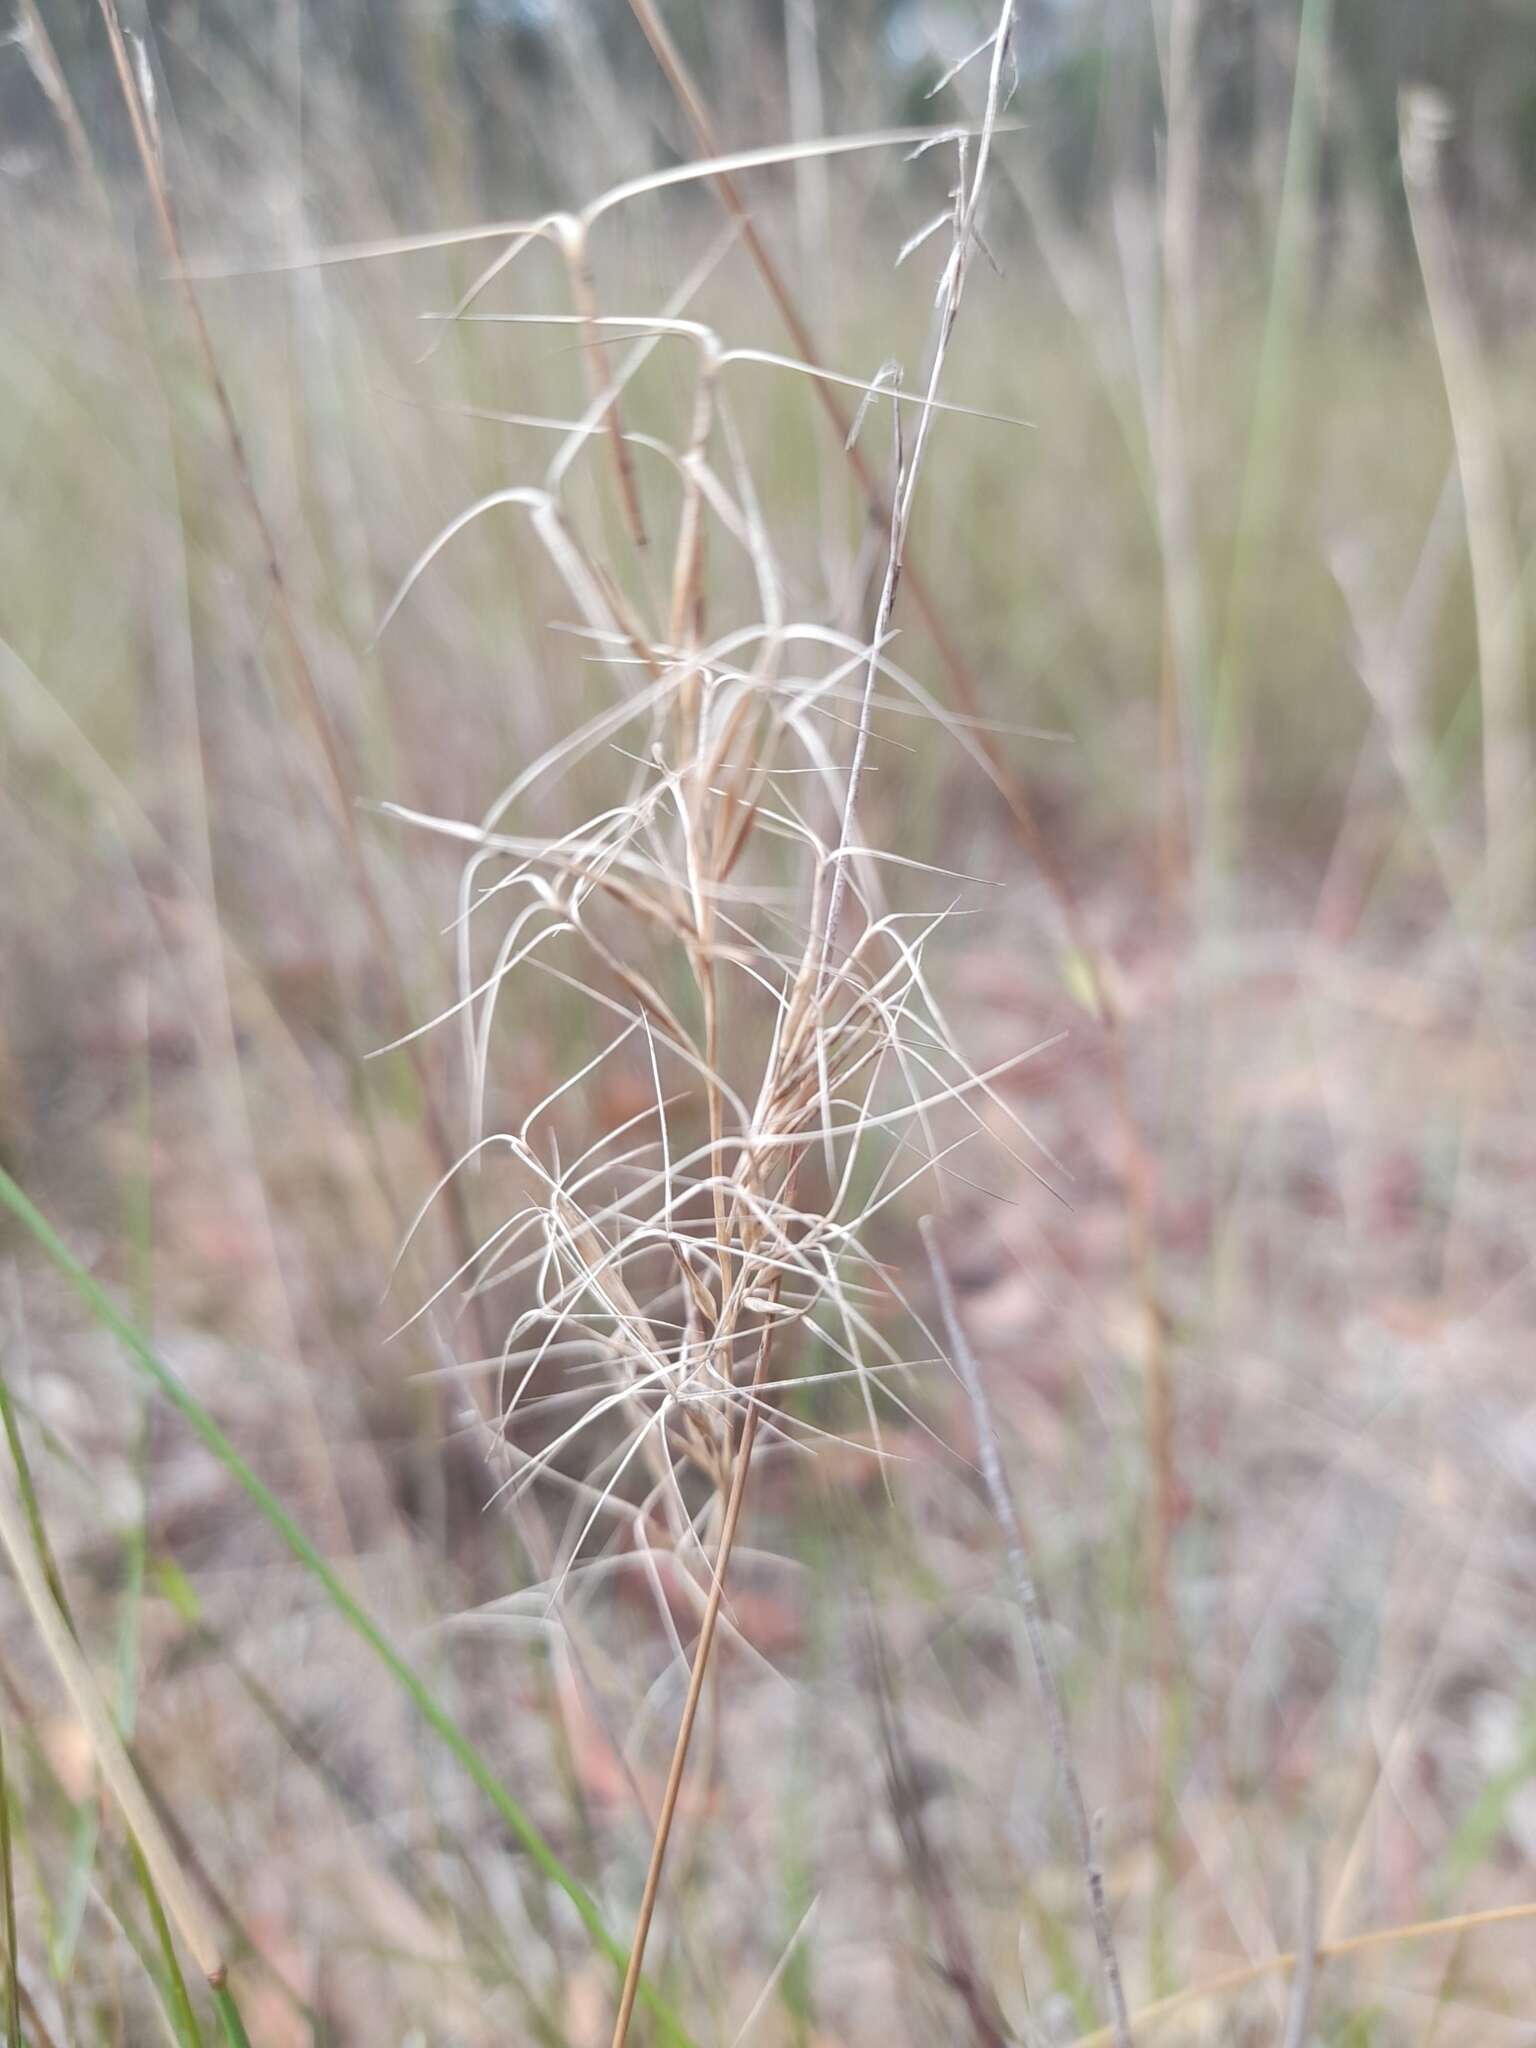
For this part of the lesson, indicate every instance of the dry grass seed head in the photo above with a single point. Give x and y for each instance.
(666, 1259)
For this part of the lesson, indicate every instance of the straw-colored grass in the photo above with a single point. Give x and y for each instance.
(762, 1105)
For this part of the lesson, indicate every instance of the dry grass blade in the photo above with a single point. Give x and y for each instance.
(182, 1902)
(518, 234)
(1226, 1986)
(761, 2003)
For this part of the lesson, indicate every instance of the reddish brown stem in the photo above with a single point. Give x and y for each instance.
(733, 1506)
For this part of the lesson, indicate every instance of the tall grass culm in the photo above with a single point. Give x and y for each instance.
(755, 961)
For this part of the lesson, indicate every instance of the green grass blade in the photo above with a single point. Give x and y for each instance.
(135, 1564)
(1269, 442)
(30, 1505)
(170, 1983)
(8, 1886)
(229, 2018)
(43, 1904)
(84, 1840)
(357, 1618)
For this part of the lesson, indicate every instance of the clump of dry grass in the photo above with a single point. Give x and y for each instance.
(730, 914)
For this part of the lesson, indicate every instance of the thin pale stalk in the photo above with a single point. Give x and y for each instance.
(953, 290)
(1498, 602)
(1233, 1981)
(573, 237)
(681, 80)
(1298, 2020)
(1000, 1495)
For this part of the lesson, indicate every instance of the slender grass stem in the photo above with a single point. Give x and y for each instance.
(1000, 1494)
(8, 1903)
(735, 1500)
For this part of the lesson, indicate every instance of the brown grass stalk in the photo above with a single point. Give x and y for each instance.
(734, 1502)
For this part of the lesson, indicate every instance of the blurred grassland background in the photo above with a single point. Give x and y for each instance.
(1246, 603)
